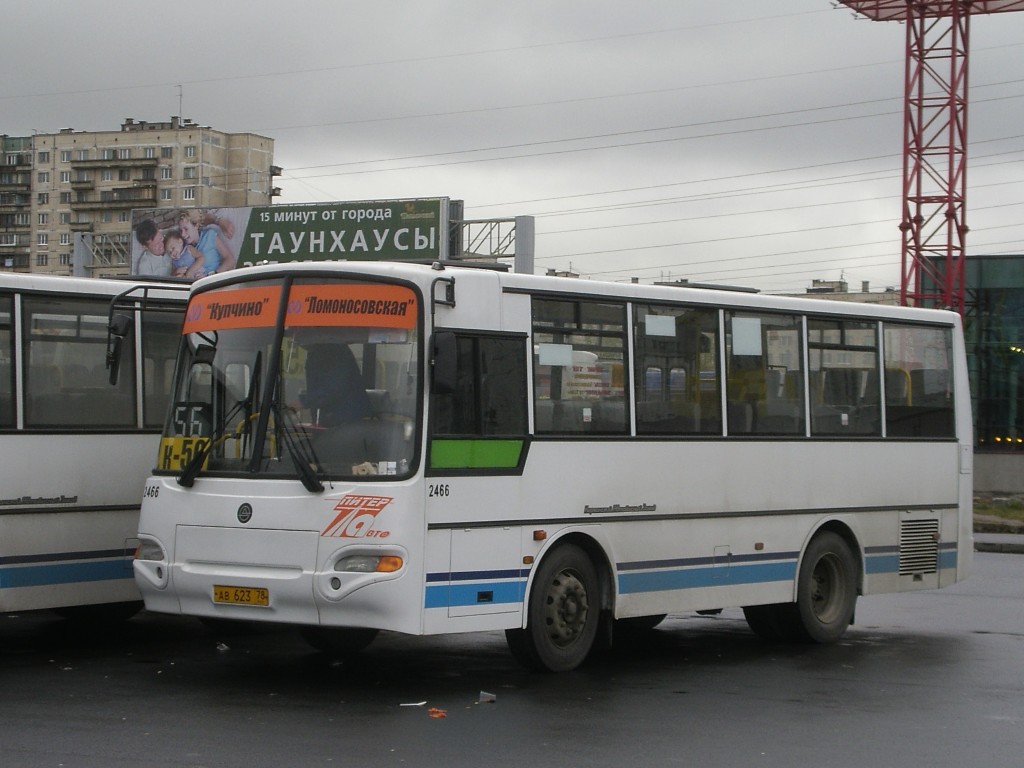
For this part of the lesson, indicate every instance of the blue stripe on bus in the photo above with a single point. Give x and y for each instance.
(695, 578)
(55, 557)
(464, 588)
(453, 595)
(65, 573)
(947, 559)
(890, 562)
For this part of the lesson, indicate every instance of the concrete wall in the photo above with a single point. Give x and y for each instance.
(998, 473)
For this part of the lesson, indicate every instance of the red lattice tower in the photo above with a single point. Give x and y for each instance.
(934, 223)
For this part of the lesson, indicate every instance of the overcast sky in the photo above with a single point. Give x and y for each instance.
(746, 142)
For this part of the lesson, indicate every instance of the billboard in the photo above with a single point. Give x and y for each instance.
(194, 242)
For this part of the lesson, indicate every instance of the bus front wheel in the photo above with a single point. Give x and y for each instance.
(562, 613)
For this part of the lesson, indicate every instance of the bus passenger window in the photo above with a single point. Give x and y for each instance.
(490, 392)
(677, 371)
(918, 381)
(65, 353)
(579, 357)
(845, 391)
(161, 335)
(764, 374)
(481, 425)
(6, 365)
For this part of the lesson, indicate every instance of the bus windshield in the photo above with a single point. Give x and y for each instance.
(311, 378)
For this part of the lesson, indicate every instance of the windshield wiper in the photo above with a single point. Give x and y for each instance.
(300, 450)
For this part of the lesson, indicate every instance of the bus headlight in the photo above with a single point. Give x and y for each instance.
(149, 550)
(369, 564)
(150, 565)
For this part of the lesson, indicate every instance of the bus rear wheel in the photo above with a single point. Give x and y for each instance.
(826, 593)
(826, 597)
(563, 613)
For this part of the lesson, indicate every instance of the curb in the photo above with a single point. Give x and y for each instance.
(1001, 543)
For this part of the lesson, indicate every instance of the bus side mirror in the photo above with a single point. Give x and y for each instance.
(443, 363)
(118, 328)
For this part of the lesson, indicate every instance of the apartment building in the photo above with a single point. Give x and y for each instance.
(66, 198)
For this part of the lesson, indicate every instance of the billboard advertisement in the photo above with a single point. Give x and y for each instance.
(193, 242)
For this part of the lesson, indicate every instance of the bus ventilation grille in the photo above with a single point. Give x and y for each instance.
(919, 546)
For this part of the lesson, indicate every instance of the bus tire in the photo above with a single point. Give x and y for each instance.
(562, 613)
(339, 641)
(826, 594)
(763, 621)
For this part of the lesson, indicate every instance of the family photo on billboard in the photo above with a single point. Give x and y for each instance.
(186, 243)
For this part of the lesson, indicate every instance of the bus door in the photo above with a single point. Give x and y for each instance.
(477, 447)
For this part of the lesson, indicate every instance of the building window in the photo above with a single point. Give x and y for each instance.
(108, 154)
(65, 155)
(43, 219)
(41, 259)
(43, 198)
(124, 153)
(124, 175)
(42, 239)
(165, 194)
(149, 152)
(105, 217)
(44, 156)
(124, 216)
(190, 150)
(65, 217)
(106, 175)
(189, 172)
(83, 154)
(65, 259)
(166, 152)
(65, 177)
(65, 238)
(65, 198)
(166, 172)
(43, 177)
(188, 193)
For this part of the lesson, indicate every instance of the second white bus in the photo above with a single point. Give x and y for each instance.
(76, 449)
(355, 447)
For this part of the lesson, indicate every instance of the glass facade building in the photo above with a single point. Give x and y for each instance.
(994, 333)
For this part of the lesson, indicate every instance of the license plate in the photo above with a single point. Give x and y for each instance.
(223, 593)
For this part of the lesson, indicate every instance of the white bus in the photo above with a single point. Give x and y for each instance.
(76, 450)
(355, 447)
